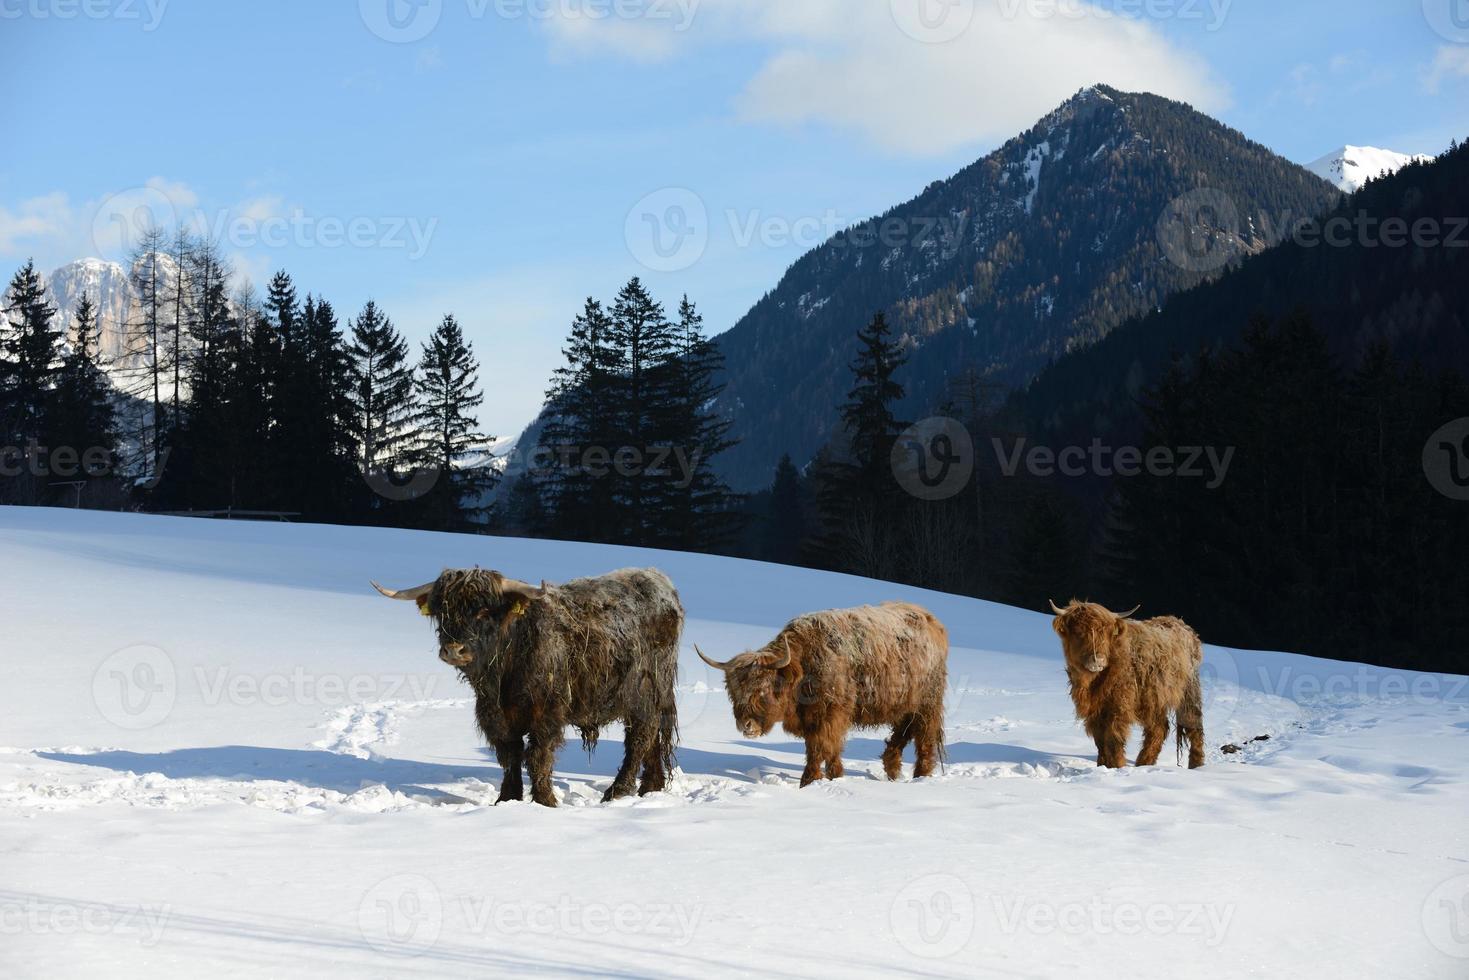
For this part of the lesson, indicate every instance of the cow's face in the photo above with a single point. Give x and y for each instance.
(758, 692)
(1088, 632)
(469, 610)
(761, 687)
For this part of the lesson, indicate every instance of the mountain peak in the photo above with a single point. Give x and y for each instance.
(1349, 167)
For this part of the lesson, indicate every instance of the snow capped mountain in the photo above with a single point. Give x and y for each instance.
(112, 293)
(107, 284)
(1352, 166)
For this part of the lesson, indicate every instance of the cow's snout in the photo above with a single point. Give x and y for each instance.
(1096, 664)
(750, 729)
(455, 654)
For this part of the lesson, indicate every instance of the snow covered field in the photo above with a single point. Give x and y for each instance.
(222, 754)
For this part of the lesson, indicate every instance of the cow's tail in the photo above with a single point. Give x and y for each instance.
(1190, 718)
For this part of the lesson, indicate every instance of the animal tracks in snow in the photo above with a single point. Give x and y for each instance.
(358, 728)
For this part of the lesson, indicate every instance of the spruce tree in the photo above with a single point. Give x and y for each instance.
(448, 394)
(30, 346)
(857, 496)
(583, 411)
(81, 414)
(254, 406)
(382, 403)
(644, 340)
(694, 508)
(524, 512)
(785, 521)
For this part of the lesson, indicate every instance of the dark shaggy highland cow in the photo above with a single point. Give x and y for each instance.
(1124, 672)
(586, 654)
(829, 672)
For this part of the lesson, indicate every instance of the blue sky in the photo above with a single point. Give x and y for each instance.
(502, 159)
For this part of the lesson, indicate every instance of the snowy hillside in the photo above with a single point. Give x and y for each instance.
(1352, 166)
(221, 754)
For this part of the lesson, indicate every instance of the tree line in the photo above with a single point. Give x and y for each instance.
(226, 400)
(624, 450)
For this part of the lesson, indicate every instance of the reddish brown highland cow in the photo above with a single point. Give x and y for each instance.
(829, 672)
(1125, 672)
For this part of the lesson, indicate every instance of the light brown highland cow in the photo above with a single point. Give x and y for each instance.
(829, 672)
(1125, 672)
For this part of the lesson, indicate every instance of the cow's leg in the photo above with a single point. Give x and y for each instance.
(1097, 731)
(928, 744)
(892, 756)
(824, 743)
(1112, 742)
(655, 772)
(510, 753)
(540, 759)
(639, 738)
(1190, 720)
(1155, 732)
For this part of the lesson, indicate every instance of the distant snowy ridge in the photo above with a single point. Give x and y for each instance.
(1352, 166)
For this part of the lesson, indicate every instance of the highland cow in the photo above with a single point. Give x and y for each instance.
(1125, 672)
(586, 654)
(828, 672)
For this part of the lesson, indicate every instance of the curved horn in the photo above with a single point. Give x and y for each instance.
(712, 663)
(1129, 613)
(407, 595)
(1055, 608)
(784, 663)
(523, 588)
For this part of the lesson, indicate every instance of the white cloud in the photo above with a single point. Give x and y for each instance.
(34, 221)
(852, 66)
(1452, 61)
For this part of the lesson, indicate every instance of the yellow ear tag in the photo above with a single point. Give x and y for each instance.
(423, 606)
(520, 606)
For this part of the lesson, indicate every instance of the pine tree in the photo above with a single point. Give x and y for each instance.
(382, 401)
(81, 413)
(29, 356)
(252, 397)
(644, 341)
(785, 520)
(857, 496)
(583, 410)
(694, 507)
(448, 393)
(524, 513)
